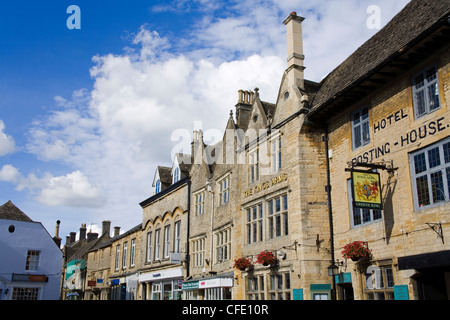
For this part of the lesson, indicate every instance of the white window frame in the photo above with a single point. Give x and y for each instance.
(255, 223)
(176, 175)
(198, 252)
(223, 245)
(224, 189)
(158, 244)
(360, 127)
(366, 216)
(167, 241)
(254, 170)
(422, 85)
(278, 220)
(276, 153)
(199, 198)
(177, 242)
(430, 171)
(124, 255)
(133, 252)
(32, 261)
(158, 186)
(149, 246)
(117, 260)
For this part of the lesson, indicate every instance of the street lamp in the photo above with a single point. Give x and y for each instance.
(333, 269)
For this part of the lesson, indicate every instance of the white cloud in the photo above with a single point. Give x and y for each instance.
(7, 144)
(73, 189)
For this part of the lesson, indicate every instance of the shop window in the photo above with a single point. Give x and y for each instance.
(360, 216)
(25, 294)
(379, 283)
(360, 128)
(255, 224)
(255, 287)
(430, 171)
(280, 286)
(278, 217)
(425, 89)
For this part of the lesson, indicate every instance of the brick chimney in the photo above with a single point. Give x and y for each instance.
(116, 231)
(295, 58)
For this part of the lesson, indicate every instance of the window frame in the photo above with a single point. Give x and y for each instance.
(224, 189)
(278, 220)
(443, 168)
(124, 255)
(149, 245)
(157, 252)
(199, 202)
(362, 123)
(254, 166)
(276, 153)
(425, 90)
(222, 245)
(166, 245)
(32, 260)
(133, 252)
(255, 223)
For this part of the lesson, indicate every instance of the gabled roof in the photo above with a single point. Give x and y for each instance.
(9, 211)
(401, 32)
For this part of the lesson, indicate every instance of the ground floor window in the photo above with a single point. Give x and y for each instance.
(166, 290)
(379, 283)
(25, 294)
(271, 286)
(218, 294)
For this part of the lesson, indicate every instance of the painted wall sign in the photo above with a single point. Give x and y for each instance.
(366, 190)
(428, 129)
(266, 185)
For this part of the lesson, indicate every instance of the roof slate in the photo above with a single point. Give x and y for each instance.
(9, 211)
(416, 18)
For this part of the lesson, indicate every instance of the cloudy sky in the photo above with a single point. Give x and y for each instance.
(87, 114)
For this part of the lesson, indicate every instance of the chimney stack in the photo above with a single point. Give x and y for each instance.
(244, 108)
(106, 227)
(92, 236)
(72, 237)
(56, 238)
(83, 231)
(295, 50)
(116, 231)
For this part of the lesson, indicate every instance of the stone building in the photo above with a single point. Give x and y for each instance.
(385, 109)
(165, 233)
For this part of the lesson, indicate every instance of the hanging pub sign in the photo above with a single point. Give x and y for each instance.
(366, 189)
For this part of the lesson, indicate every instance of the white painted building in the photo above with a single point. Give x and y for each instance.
(30, 259)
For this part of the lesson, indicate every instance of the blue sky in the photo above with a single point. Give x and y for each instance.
(87, 114)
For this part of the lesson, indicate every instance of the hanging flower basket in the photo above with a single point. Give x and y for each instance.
(356, 250)
(242, 263)
(266, 258)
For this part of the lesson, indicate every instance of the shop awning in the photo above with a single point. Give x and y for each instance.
(424, 261)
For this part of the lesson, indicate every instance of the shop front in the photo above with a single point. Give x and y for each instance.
(213, 288)
(162, 284)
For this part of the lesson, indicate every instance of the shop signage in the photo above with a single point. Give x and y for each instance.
(114, 282)
(266, 185)
(29, 277)
(297, 294)
(92, 283)
(175, 257)
(190, 285)
(366, 190)
(401, 292)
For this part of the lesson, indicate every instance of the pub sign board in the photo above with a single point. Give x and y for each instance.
(366, 190)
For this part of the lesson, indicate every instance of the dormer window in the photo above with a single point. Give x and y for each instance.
(157, 186)
(176, 175)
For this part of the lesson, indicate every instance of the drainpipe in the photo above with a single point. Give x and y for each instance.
(330, 211)
(188, 259)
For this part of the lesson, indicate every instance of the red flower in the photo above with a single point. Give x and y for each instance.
(242, 263)
(356, 250)
(266, 258)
